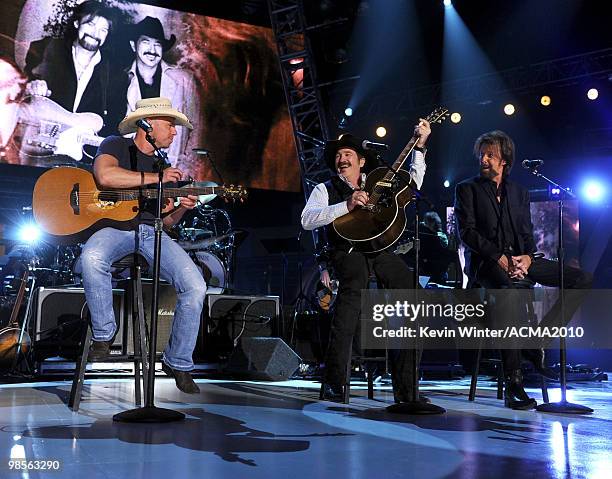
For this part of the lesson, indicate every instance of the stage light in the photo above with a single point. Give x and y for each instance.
(29, 233)
(447, 3)
(348, 111)
(545, 100)
(381, 131)
(592, 94)
(509, 109)
(446, 183)
(456, 117)
(593, 191)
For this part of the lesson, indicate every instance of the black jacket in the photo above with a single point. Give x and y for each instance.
(50, 59)
(478, 224)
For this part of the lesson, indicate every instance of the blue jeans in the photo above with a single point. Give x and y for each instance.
(109, 245)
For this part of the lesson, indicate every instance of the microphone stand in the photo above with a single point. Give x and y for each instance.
(415, 406)
(562, 406)
(150, 413)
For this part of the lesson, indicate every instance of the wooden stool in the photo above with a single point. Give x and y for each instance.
(135, 262)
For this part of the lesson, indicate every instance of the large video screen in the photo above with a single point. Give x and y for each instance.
(71, 70)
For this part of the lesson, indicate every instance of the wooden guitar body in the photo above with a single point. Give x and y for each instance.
(68, 206)
(374, 229)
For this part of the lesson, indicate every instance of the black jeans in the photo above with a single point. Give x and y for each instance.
(545, 272)
(353, 271)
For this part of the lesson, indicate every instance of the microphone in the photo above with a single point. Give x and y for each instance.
(371, 145)
(201, 151)
(532, 164)
(144, 125)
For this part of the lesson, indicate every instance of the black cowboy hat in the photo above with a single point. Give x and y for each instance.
(152, 27)
(352, 142)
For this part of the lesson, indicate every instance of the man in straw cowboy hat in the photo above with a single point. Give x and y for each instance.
(130, 163)
(330, 200)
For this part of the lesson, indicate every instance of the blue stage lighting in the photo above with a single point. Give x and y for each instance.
(29, 233)
(446, 183)
(593, 191)
(447, 3)
(348, 111)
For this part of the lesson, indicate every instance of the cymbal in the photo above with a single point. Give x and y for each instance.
(202, 244)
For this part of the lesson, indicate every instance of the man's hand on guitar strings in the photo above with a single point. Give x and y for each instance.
(172, 174)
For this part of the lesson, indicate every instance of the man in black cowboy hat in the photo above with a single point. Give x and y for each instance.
(150, 76)
(330, 200)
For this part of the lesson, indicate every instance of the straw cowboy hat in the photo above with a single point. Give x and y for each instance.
(149, 108)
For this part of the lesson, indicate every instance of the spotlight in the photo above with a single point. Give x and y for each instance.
(592, 94)
(545, 100)
(446, 183)
(348, 111)
(593, 191)
(381, 131)
(456, 117)
(447, 3)
(29, 233)
(509, 109)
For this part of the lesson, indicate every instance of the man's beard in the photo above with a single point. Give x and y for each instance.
(89, 43)
(489, 173)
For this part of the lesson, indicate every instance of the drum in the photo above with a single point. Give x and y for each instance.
(213, 270)
(202, 223)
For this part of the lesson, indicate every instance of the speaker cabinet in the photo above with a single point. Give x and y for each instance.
(267, 359)
(232, 318)
(166, 304)
(58, 325)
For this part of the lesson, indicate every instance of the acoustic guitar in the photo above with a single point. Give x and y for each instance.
(50, 129)
(380, 223)
(69, 207)
(11, 338)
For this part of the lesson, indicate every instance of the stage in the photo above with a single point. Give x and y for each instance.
(263, 430)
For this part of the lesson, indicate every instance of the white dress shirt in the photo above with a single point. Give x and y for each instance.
(318, 212)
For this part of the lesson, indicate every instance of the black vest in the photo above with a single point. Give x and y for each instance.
(337, 191)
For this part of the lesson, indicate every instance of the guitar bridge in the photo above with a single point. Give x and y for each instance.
(74, 199)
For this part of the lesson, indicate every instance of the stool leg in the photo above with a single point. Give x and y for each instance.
(142, 333)
(472, 394)
(370, 378)
(544, 390)
(79, 374)
(500, 381)
(347, 383)
(136, 340)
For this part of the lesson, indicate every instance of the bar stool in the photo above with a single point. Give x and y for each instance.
(520, 284)
(135, 263)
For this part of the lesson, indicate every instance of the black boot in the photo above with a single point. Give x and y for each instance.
(537, 357)
(183, 379)
(332, 393)
(99, 350)
(515, 396)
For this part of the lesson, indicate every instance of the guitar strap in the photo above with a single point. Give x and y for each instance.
(134, 167)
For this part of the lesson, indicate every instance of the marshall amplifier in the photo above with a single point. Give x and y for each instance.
(59, 325)
(166, 304)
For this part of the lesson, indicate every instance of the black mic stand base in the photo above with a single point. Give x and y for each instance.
(563, 407)
(415, 408)
(149, 414)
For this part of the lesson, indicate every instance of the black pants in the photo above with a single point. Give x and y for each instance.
(353, 271)
(545, 272)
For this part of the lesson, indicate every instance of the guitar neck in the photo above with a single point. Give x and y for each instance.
(401, 159)
(151, 193)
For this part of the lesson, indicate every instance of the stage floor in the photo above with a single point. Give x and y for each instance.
(267, 430)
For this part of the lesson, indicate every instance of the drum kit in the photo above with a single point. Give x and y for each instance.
(206, 234)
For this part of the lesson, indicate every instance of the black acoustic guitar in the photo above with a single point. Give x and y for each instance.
(380, 223)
